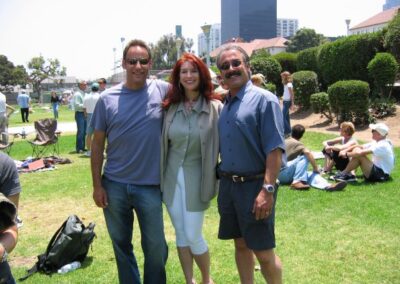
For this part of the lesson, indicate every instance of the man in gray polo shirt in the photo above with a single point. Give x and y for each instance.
(129, 117)
(251, 146)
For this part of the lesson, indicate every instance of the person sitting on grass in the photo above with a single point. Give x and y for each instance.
(298, 157)
(332, 148)
(376, 169)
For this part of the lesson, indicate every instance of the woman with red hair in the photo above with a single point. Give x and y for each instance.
(189, 157)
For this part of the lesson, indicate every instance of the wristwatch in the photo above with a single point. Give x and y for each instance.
(5, 254)
(268, 188)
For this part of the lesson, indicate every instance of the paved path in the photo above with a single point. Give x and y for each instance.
(29, 128)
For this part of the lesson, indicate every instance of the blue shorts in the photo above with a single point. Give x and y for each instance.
(235, 205)
(377, 174)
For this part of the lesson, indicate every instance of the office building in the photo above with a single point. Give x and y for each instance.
(215, 40)
(286, 27)
(248, 20)
(390, 4)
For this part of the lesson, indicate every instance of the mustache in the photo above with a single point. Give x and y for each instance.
(233, 73)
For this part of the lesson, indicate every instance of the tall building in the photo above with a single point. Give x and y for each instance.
(286, 27)
(248, 19)
(215, 40)
(390, 4)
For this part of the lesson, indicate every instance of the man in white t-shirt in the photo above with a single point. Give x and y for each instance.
(382, 163)
(89, 103)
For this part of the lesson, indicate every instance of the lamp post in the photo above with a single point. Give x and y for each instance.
(206, 30)
(178, 43)
(115, 60)
(348, 25)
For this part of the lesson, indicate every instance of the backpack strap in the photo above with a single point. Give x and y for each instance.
(35, 268)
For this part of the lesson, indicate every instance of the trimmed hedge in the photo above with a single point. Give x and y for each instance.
(383, 69)
(349, 101)
(348, 57)
(307, 59)
(320, 104)
(268, 66)
(305, 83)
(270, 87)
(287, 60)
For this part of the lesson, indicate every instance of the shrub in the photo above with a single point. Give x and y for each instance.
(305, 83)
(392, 37)
(320, 104)
(268, 66)
(287, 61)
(383, 69)
(270, 87)
(349, 101)
(348, 57)
(307, 59)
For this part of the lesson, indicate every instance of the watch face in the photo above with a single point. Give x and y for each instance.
(269, 187)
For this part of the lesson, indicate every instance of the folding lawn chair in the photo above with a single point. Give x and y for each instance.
(46, 138)
(6, 143)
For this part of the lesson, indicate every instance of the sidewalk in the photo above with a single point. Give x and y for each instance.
(64, 127)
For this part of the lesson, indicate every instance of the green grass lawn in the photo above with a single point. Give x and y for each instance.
(351, 236)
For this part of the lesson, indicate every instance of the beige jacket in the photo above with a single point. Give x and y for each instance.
(208, 124)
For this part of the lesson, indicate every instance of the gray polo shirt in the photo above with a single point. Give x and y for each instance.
(250, 126)
(132, 121)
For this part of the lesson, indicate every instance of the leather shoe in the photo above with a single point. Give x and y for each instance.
(299, 186)
(336, 186)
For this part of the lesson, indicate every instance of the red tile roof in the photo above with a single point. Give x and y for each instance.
(380, 18)
(256, 44)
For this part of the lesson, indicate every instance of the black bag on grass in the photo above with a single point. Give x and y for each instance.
(70, 243)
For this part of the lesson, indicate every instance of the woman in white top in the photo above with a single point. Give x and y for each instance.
(288, 100)
(335, 146)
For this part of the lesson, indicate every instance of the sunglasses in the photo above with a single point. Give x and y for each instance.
(134, 61)
(227, 64)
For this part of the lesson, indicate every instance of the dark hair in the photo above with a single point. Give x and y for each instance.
(298, 131)
(176, 92)
(102, 81)
(136, 42)
(95, 88)
(245, 56)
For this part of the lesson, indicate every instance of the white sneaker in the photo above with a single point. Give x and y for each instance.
(19, 222)
(88, 153)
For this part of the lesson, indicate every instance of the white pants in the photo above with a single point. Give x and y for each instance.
(188, 225)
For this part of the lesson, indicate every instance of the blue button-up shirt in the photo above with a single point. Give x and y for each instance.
(250, 126)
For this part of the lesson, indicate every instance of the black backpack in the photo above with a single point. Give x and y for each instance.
(70, 243)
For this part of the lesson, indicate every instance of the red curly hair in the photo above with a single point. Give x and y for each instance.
(176, 92)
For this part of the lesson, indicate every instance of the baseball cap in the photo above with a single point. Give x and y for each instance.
(95, 85)
(381, 128)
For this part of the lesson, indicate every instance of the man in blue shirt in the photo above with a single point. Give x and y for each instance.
(251, 146)
(24, 101)
(129, 116)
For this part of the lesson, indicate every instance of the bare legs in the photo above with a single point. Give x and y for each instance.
(203, 262)
(271, 266)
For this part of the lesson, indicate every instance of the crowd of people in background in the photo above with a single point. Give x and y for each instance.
(170, 143)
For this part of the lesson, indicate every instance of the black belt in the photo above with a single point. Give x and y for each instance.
(238, 178)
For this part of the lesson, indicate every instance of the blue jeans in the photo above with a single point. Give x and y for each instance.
(81, 130)
(55, 110)
(295, 170)
(146, 201)
(286, 118)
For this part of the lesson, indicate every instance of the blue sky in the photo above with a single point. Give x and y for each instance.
(83, 33)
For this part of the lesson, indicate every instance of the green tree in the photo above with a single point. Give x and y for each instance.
(11, 75)
(305, 38)
(165, 53)
(383, 69)
(41, 69)
(392, 37)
